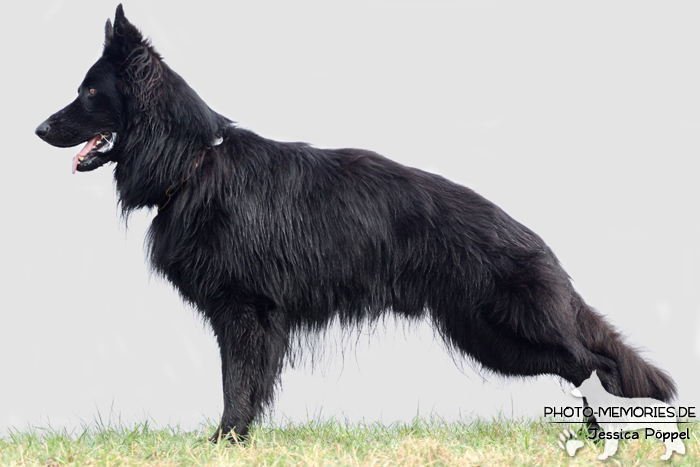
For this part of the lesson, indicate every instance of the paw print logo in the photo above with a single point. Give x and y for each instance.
(569, 443)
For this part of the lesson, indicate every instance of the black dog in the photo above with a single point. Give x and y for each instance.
(270, 240)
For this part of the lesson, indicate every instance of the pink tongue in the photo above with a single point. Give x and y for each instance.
(86, 149)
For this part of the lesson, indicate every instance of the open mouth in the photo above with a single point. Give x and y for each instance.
(94, 153)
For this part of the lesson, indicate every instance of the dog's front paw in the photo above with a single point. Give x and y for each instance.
(569, 443)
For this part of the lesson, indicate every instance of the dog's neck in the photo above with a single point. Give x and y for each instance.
(175, 187)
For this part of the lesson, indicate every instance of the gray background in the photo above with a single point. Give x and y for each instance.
(581, 121)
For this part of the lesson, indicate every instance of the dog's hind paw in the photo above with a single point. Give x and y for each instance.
(568, 442)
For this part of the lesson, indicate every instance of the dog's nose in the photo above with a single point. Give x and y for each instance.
(42, 130)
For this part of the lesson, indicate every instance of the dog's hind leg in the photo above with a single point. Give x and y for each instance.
(506, 349)
(253, 343)
(545, 328)
(672, 445)
(610, 448)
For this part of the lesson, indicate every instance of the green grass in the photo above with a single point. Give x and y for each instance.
(420, 443)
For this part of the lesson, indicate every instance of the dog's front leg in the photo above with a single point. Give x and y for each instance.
(252, 342)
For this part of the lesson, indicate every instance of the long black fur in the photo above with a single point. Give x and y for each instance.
(270, 240)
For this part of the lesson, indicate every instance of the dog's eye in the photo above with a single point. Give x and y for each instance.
(92, 92)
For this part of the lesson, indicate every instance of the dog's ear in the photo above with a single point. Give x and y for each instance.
(109, 32)
(124, 36)
(140, 65)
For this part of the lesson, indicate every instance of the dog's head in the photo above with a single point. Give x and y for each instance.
(132, 109)
(125, 76)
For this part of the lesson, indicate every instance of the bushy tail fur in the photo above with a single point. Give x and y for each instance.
(624, 371)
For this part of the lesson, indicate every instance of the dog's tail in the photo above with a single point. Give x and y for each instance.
(627, 373)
